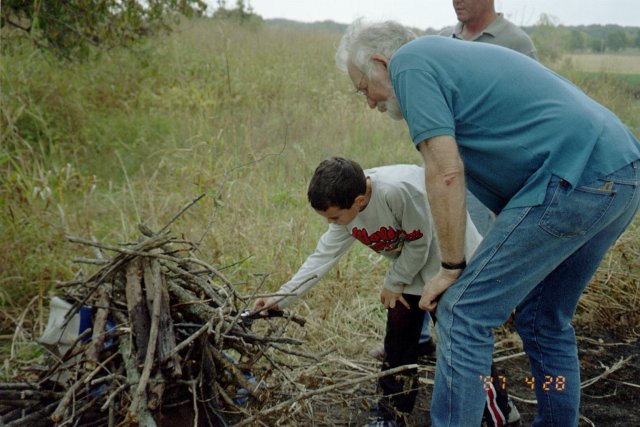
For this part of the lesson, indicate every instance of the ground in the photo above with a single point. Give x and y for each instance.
(611, 400)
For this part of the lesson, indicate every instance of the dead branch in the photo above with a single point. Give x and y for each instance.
(179, 337)
(323, 390)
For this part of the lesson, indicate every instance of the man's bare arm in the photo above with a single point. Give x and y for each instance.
(444, 180)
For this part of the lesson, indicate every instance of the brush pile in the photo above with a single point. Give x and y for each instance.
(169, 342)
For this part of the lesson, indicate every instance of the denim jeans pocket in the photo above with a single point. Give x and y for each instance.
(573, 212)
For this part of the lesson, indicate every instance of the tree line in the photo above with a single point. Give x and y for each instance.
(70, 28)
(589, 38)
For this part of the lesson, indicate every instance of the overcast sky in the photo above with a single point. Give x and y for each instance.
(439, 13)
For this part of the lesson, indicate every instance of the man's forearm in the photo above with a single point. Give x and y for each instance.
(444, 180)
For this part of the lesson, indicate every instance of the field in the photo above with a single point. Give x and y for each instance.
(244, 115)
(606, 63)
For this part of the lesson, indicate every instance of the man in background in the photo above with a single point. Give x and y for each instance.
(478, 21)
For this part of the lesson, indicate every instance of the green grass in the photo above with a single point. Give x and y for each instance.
(618, 92)
(243, 114)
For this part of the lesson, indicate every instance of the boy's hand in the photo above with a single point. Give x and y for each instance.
(265, 304)
(435, 287)
(389, 299)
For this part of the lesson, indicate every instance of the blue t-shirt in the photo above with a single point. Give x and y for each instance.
(515, 121)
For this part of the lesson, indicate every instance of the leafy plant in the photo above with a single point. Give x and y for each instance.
(69, 27)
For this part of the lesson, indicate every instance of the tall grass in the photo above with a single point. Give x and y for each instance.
(241, 113)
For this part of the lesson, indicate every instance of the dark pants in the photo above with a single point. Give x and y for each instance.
(401, 348)
(399, 391)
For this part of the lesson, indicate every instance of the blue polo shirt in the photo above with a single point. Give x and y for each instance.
(515, 121)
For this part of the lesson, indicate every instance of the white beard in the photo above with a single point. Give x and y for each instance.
(392, 107)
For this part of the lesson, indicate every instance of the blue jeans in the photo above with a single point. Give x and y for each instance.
(483, 219)
(537, 260)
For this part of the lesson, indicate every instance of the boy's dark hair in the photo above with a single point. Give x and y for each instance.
(336, 182)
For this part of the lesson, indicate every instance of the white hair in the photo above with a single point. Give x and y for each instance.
(362, 40)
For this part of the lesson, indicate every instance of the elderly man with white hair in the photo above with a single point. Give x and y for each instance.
(561, 172)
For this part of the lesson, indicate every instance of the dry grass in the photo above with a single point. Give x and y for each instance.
(612, 301)
(243, 114)
(605, 63)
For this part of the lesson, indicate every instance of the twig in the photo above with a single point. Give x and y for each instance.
(19, 328)
(136, 305)
(233, 369)
(619, 364)
(90, 261)
(183, 210)
(194, 399)
(322, 390)
(112, 395)
(151, 346)
(58, 414)
(109, 378)
(626, 383)
(228, 400)
(520, 399)
(124, 347)
(284, 373)
(296, 353)
(600, 343)
(99, 366)
(509, 356)
(71, 352)
(255, 338)
(103, 274)
(587, 420)
(99, 328)
(206, 327)
(33, 417)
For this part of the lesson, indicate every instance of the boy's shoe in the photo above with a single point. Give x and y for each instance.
(513, 416)
(377, 352)
(385, 421)
(381, 422)
(513, 419)
(380, 417)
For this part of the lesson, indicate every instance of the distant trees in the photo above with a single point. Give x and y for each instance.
(616, 40)
(594, 38)
(577, 40)
(242, 12)
(547, 38)
(596, 45)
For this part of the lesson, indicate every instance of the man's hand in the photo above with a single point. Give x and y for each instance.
(436, 286)
(389, 299)
(265, 304)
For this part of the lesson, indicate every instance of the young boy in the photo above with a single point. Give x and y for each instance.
(386, 209)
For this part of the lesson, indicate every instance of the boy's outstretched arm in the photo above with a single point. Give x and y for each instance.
(330, 248)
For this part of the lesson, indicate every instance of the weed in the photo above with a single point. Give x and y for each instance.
(242, 113)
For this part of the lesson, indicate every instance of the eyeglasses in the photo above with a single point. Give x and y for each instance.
(359, 90)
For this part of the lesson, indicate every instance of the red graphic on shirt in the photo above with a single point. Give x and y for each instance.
(387, 239)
